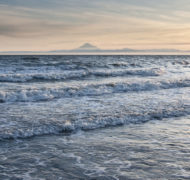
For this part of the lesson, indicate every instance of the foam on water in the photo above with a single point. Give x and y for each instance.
(88, 92)
(45, 93)
(58, 99)
(92, 113)
(155, 150)
(57, 74)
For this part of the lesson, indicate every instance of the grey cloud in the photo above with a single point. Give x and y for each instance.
(91, 18)
(34, 29)
(7, 30)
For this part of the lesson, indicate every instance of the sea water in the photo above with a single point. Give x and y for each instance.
(94, 117)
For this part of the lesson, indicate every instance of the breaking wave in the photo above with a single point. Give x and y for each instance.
(57, 127)
(54, 75)
(89, 92)
(45, 94)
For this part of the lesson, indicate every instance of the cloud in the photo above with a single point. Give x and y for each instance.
(137, 21)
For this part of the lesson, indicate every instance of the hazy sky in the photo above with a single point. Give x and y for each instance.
(113, 24)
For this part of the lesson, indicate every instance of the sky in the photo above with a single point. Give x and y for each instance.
(41, 25)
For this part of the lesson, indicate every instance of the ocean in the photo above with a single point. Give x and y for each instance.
(94, 117)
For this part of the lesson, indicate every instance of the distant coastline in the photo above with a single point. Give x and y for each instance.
(89, 49)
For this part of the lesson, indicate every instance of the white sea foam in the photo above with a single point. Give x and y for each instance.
(101, 121)
(94, 89)
(24, 76)
(83, 78)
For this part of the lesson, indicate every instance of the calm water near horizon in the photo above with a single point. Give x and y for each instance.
(94, 117)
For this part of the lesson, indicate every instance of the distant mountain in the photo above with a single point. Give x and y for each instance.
(89, 48)
(162, 50)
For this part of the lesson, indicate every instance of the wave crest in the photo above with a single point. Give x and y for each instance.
(46, 94)
(76, 74)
